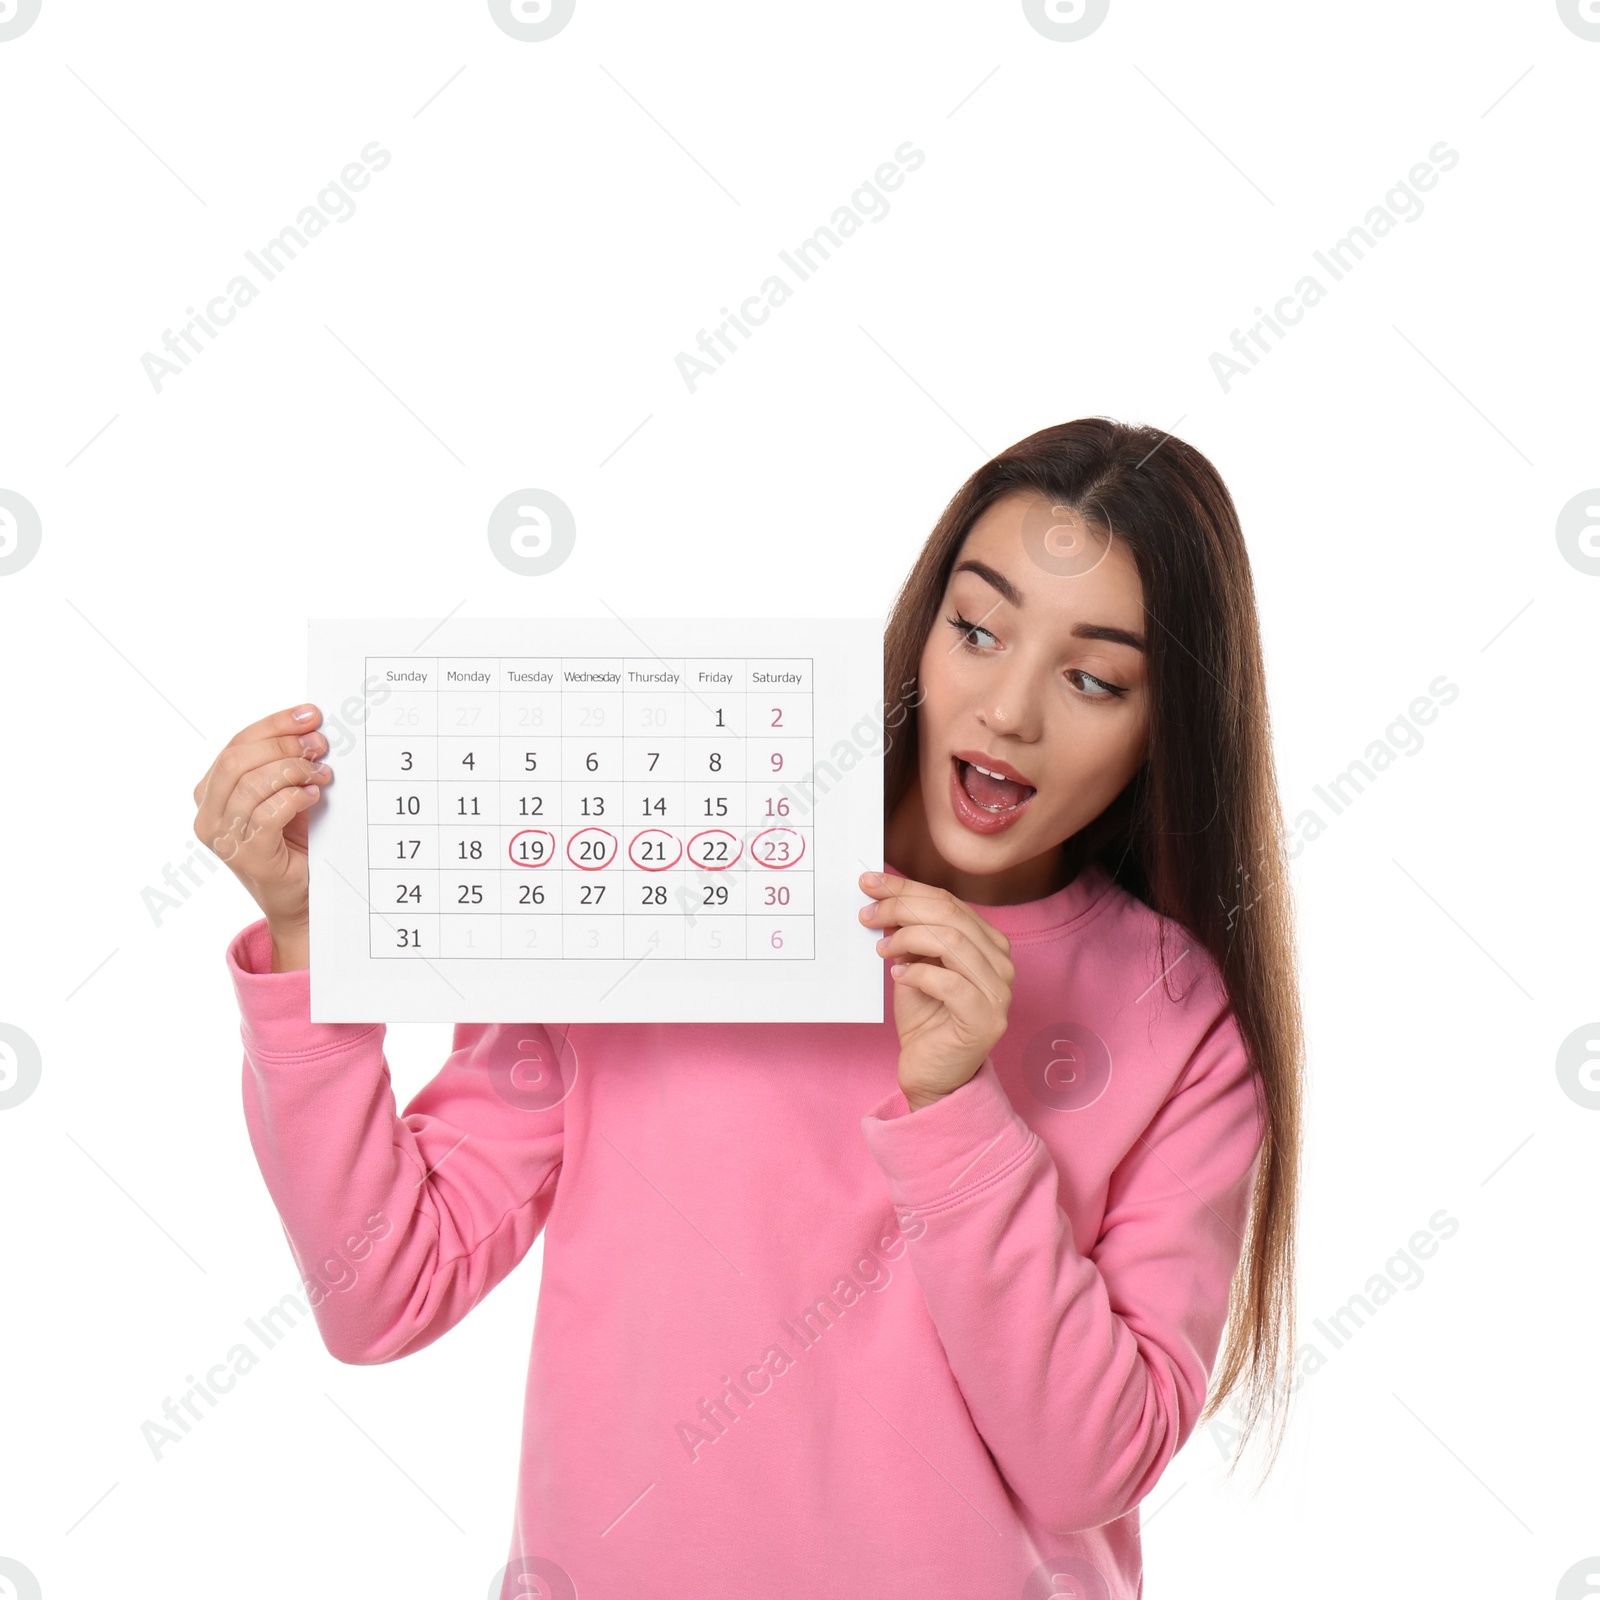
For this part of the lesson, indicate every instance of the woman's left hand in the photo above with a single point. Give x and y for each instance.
(952, 982)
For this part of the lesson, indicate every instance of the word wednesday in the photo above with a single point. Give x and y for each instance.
(333, 204)
(1400, 204)
(867, 204)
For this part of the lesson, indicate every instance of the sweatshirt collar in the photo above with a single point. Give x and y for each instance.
(1047, 915)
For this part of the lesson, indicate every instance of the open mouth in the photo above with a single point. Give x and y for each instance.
(985, 798)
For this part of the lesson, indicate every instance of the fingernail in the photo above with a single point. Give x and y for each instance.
(308, 742)
(866, 911)
(304, 713)
(873, 880)
(897, 969)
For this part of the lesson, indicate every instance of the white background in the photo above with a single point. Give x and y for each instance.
(558, 221)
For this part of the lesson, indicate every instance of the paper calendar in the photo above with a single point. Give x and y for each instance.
(589, 821)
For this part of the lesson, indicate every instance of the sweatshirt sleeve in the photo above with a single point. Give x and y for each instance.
(399, 1224)
(1084, 1364)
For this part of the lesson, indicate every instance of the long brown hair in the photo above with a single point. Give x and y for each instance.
(1197, 833)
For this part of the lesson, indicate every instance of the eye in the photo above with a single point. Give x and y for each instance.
(969, 632)
(977, 638)
(1102, 690)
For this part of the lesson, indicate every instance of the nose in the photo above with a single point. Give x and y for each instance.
(1014, 705)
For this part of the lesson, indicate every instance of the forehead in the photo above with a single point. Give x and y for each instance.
(1056, 560)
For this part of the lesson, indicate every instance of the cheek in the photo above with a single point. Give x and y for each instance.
(933, 692)
(1095, 758)
(1114, 756)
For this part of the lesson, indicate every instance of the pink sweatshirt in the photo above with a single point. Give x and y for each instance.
(794, 1339)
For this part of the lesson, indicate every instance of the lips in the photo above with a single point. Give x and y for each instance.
(987, 795)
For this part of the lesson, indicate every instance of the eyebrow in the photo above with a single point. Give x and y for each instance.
(1082, 630)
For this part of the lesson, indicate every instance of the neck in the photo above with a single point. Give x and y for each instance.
(909, 845)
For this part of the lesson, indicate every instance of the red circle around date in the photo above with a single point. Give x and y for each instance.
(591, 861)
(715, 861)
(771, 859)
(661, 864)
(543, 858)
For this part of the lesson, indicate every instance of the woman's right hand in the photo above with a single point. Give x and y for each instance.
(252, 807)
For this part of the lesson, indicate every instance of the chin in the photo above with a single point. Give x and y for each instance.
(971, 852)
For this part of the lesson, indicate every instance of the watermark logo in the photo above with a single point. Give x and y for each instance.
(1060, 541)
(1580, 1581)
(20, 531)
(1582, 16)
(539, 1075)
(21, 1066)
(16, 17)
(1578, 530)
(532, 1578)
(16, 1581)
(1066, 20)
(532, 532)
(532, 21)
(1066, 1066)
(1578, 1066)
(1064, 1576)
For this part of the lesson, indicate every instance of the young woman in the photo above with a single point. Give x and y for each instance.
(921, 1308)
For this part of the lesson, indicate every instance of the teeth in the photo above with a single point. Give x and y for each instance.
(983, 805)
(988, 774)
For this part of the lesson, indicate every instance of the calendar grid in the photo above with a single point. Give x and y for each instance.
(589, 808)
